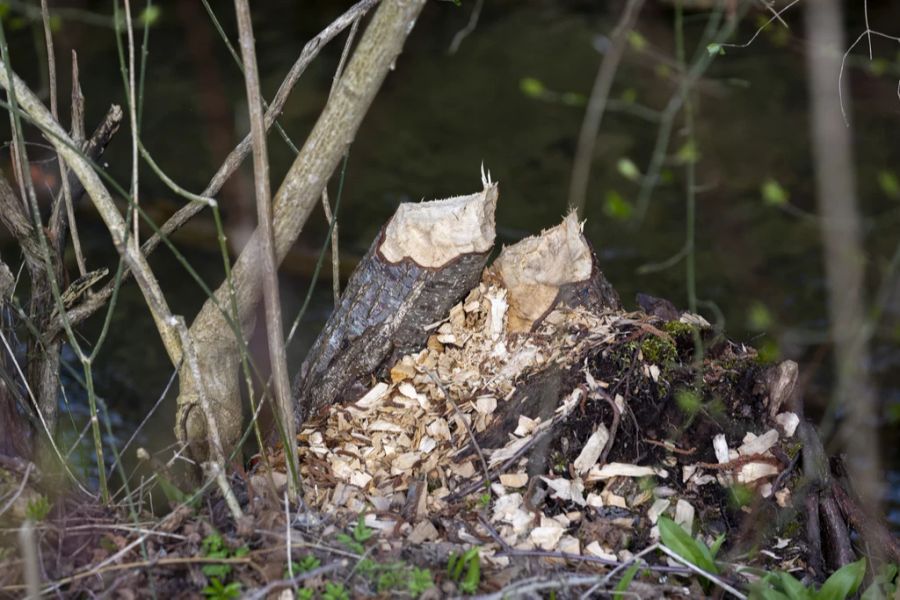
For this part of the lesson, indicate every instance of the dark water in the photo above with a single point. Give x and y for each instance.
(439, 116)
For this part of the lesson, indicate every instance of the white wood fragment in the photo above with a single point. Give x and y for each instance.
(610, 470)
(485, 405)
(547, 535)
(788, 422)
(525, 426)
(565, 489)
(657, 509)
(759, 444)
(595, 549)
(720, 445)
(569, 545)
(514, 480)
(373, 396)
(592, 450)
(752, 471)
(684, 514)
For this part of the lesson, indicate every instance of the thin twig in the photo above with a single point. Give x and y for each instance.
(326, 205)
(282, 584)
(19, 490)
(236, 157)
(132, 113)
(29, 547)
(77, 126)
(335, 250)
(593, 115)
(468, 29)
(709, 576)
(266, 236)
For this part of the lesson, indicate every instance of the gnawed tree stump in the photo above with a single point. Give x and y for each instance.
(426, 258)
(556, 268)
(585, 423)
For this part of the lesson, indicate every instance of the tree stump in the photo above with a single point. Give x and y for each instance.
(427, 257)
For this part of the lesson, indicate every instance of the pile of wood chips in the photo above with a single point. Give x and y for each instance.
(403, 452)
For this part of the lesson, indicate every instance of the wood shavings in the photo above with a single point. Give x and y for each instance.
(787, 422)
(611, 470)
(592, 450)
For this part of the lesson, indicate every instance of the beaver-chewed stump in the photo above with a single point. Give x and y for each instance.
(423, 261)
(432, 395)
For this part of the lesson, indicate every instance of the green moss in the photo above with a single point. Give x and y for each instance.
(677, 329)
(658, 351)
(794, 449)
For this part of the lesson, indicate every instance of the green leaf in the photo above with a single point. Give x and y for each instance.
(335, 591)
(531, 87)
(759, 318)
(150, 15)
(362, 532)
(773, 194)
(623, 584)
(469, 585)
(214, 571)
(628, 169)
(714, 49)
(419, 581)
(761, 591)
(889, 184)
(717, 545)
(677, 539)
(843, 582)
(617, 207)
(629, 96)
(793, 588)
(636, 40)
(37, 508)
(688, 153)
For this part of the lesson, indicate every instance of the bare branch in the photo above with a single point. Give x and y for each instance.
(103, 201)
(274, 328)
(233, 161)
(593, 116)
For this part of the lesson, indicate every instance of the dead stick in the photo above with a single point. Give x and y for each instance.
(277, 353)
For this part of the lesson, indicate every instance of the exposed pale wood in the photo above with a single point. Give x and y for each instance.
(556, 267)
(426, 259)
